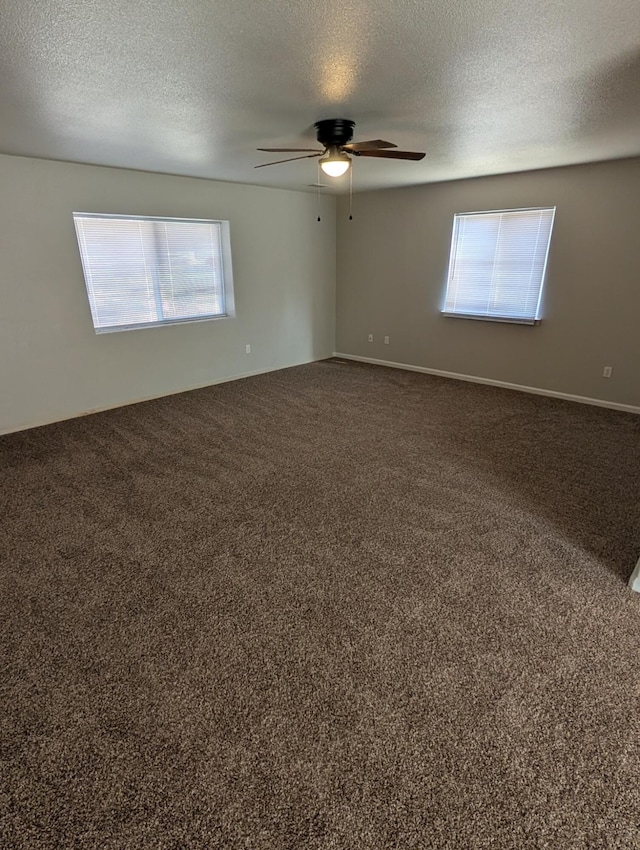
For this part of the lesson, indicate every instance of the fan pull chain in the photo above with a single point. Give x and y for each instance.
(351, 192)
(318, 188)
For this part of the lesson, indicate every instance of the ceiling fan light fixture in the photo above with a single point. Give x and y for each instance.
(335, 163)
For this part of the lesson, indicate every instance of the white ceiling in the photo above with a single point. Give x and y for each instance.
(195, 86)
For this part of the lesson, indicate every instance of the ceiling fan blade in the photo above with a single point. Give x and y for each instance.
(290, 150)
(392, 154)
(374, 144)
(291, 159)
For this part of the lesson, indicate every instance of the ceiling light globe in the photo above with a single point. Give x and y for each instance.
(335, 164)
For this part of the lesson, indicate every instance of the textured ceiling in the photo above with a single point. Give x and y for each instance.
(194, 86)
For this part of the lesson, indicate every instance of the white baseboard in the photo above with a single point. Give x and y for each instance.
(225, 380)
(597, 402)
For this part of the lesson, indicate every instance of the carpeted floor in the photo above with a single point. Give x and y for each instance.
(336, 607)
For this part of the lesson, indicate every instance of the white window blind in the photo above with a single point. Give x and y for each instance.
(497, 264)
(150, 271)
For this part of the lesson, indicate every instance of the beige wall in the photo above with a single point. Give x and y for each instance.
(53, 365)
(392, 265)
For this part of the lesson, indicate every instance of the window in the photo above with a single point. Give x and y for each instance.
(497, 264)
(142, 272)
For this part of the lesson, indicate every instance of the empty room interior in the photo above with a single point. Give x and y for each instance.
(320, 425)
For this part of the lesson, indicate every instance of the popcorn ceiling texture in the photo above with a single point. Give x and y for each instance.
(332, 607)
(484, 86)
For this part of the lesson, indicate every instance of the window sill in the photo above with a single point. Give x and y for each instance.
(491, 318)
(143, 326)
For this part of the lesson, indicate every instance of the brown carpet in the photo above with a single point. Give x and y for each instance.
(336, 607)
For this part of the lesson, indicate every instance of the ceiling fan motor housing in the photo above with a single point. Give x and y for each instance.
(334, 131)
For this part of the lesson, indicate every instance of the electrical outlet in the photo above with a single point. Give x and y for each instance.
(370, 337)
(247, 348)
(386, 340)
(607, 371)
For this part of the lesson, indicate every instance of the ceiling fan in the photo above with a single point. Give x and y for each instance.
(335, 135)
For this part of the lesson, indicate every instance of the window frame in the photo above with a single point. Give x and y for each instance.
(503, 319)
(225, 260)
